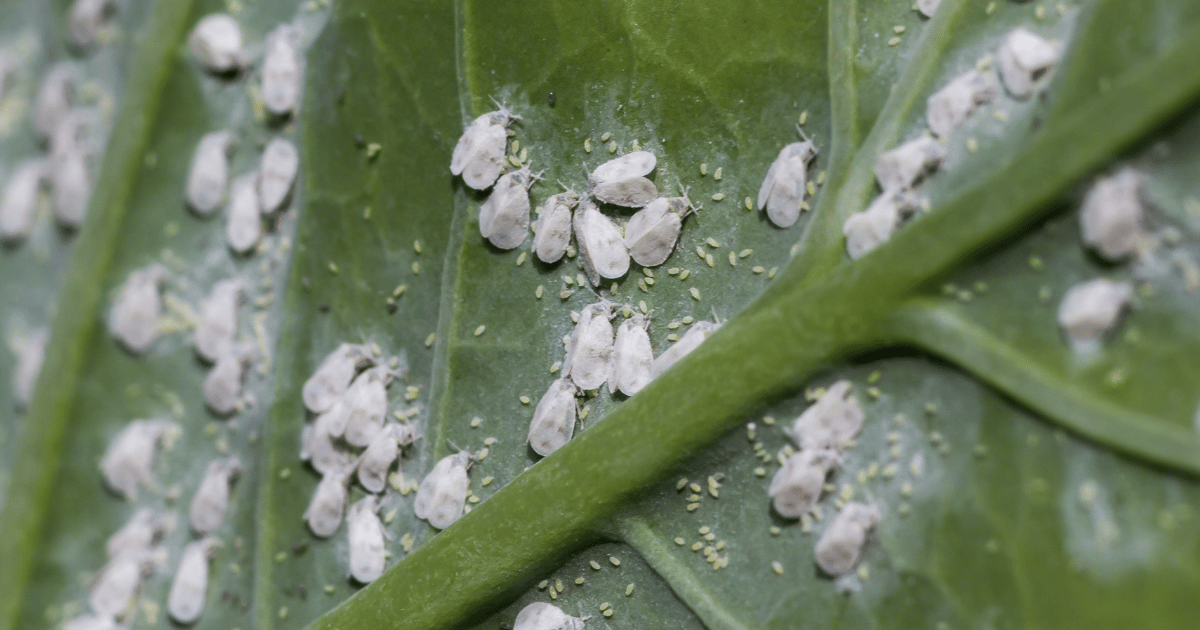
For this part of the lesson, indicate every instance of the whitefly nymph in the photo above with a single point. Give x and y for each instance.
(277, 174)
(443, 493)
(831, 421)
(333, 376)
(554, 418)
(622, 181)
(186, 599)
(85, 20)
(216, 43)
(652, 232)
(208, 176)
(504, 216)
(281, 76)
(479, 155)
(601, 244)
(133, 318)
(589, 350)
(552, 235)
(841, 544)
(18, 206)
(782, 191)
(797, 485)
(632, 357)
(365, 535)
(211, 501)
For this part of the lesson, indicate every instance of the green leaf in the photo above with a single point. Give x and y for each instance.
(1022, 486)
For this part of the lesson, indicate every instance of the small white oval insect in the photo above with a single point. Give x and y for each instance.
(443, 493)
(1089, 311)
(19, 204)
(216, 42)
(947, 108)
(841, 544)
(928, 7)
(218, 319)
(133, 318)
(380, 454)
(222, 386)
(1024, 60)
(479, 154)
(554, 418)
(696, 335)
(281, 74)
(902, 167)
(632, 357)
(636, 164)
(333, 376)
(366, 402)
(70, 135)
(328, 503)
(797, 485)
(622, 181)
(53, 99)
(118, 583)
(831, 421)
(71, 187)
(874, 226)
(782, 191)
(277, 174)
(85, 19)
(243, 221)
(543, 616)
(589, 351)
(129, 460)
(652, 232)
(139, 533)
(209, 173)
(30, 355)
(185, 600)
(365, 534)
(211, 501)
(92, 622)
(1111, 218)
(317, 446)
(601, 244)
(553, 233)
(504, 216)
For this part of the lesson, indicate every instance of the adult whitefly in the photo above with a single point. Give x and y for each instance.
(129, 460)
(782, 191)
(601, 244)
(381, 453)
(1090, 310)
(218, 319)
(947, 108)
(85, 19)
(71, 188)
(504, 215)
(904, 166)
(18, 206)
(552, 233)
(928, 7)
(366, 405)
(328, 504)
(589, 350)
(1111, 217)
(874, 226)
(797, 485)
(282, 78)
(443, 493)
(277, 174)
(622, 181)
(1024, 60)
(543, 616)
(318, 448)
(333, 376)
(632, 357)
(831, 421)
(133, 318)
(479, 155)
(554, 418)
(139, 534)
(841, 544)
(222, 387)
(119, 581)
(211, 501)
(243, 221)
(208, 175)
(186, 599)
(70, 135)
(30, 355)
(652, 232)
(696, 335)
(364, 534)
(53, 99)
(636, 164)
(216, 42)
(92, 622)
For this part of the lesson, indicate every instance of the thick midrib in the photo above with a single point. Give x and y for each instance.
(80, 293)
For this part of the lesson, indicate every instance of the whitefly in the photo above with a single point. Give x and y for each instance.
(949, 107)
(53, 99)
(211, 501)
(216, 42)
(876, 225)
(186, 599)
(552, 235)
(840, 547)
(31, 352)
(632, 357)
(328, 504)
(554, 418)
(277, 174)
(504, 216)
(653, 231)
(601, 244)
(1090, 310)
(18, 206)
(782, 191)
(222, 387)
(381, 453)
(906, 165)
(139, 534)
(318, 447)
(217, 327)
(243, 220)
(544, 616)
(696, 335)
(85, 20)
(479, 155)
(831, 421)
(118, 583)
(133, 317)
(442, 495)
(209, 173)
(589, 350)
(92, 622)
(622, 181)
(333, 376)
(365, 536)
(1111, 217)
(796, 486)
(1025, 59)
(281, 73)
(71, 188)
(366, 405)
(129, 460)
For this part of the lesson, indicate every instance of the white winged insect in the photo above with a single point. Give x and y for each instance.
(277, 174)
(543, 616)
(928, 7)
(783, 189)
(947, 108)
(904, 166)
(589, 350)
(365, 535)
(71, 188)
(243, 220)
(622, 181)
(831, 421)
(222, 387)
(1090, 310)
(216, 42)
(333, 376)
(1111, 217)
(208, 175)
(601, 244)
(211, 501)
(652, 232)
(328, 504)
(696, 335)
(139, 533)
(85, 20)
(53, 100)
(632, 357)
(318, 448)
(383, 450)
(504, 216)
(218, 319)
(552, 230)
(797, 485)
(479, 155)
(18, 206)
(281, 75)
(554, 418)
(841, 544)
(30, 355)
(1024, 60)
(129, 460)
(186, 599)
(874, 226)
(118, 583)
(443, 493)
(366, 405)
(133, 318)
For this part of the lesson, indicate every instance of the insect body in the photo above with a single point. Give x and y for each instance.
(601, 244)
(622, 182)
(72, 188)
(479, 154)
(365, 534)
(218, 319)
(947, 108)
(222, 386)
(840, 546)
(553, 233)
(185, 600)
(1024, 60)
(874, 226)
(29, 364)
(797, 485)
(1111, 218)
(208, 507)
(381, 452)
(1090, 310)
(782, 191)
(366, 405)
(118, 583)
(632, 357)
(829, 422)
(902, 167)
(243, 223)
(553, 418)
(328, 503)
(277, 174)
(209, 172)
(19, 203)
(53, 100)
(543, 616)
(652, 232)
(690, 340)
(589, 351)
(504, 216)
(129, 459)
(138, 534)
(443, 493)
(333, 376)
